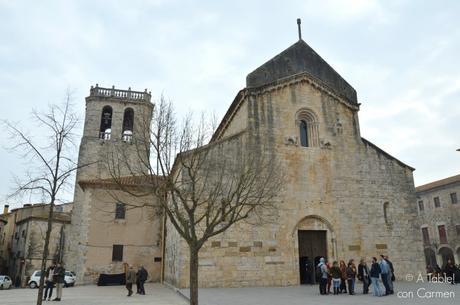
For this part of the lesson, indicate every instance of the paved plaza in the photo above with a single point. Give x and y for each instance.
(302, 295)
(158, 294)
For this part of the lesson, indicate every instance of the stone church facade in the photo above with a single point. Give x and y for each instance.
(344, 197)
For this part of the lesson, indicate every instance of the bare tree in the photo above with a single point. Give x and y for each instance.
(203, 187)
(52, 161)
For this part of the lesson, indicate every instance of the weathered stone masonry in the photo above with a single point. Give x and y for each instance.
(342, 184)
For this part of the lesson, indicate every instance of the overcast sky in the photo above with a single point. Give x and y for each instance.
(401, 57)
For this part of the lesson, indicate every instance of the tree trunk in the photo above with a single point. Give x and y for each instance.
(193, 275)
(45, 253)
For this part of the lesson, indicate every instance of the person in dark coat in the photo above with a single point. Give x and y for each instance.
(138, 286)
(142, 276)
(59, 279)
(351, 276)
(335, 275)
(449, 270)
(363, 275)
(375, 275)
(391, 275)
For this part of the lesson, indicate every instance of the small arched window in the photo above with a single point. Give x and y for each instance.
(308, 128)
(303, 133)
(106, 123)
(128, 124)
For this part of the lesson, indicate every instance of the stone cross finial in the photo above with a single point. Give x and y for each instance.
(298, 26)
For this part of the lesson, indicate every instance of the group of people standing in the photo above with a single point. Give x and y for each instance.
(342, 277)
(54, 275)
(450, 270)
(138, 277)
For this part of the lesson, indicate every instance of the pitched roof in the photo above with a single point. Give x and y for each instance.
(438, 183)
(301, 58)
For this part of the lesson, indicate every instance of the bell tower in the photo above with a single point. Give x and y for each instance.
(115, 122)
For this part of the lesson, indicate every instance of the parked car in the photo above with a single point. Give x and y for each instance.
(34, 279)
(69, 279)
(5, 282)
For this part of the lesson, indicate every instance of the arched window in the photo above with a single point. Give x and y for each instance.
(303, 133)
(106, 123)
(308, 128)
(128, 124)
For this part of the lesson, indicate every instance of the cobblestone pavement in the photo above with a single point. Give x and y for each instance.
(302, 295)
(156, 294)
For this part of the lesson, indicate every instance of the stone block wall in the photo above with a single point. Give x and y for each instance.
(139, 233)
(360, 195)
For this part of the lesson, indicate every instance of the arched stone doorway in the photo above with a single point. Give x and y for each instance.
(446, 253)
(315, 238)
(430, 257)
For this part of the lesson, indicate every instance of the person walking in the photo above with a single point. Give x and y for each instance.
(324, 274)
(49, 281)
(343, 277)
(363, 275)
(375, 274)
(385, 274)
(130, 280)
(335, 275)
(391, 275)
(351, 276)
(59, 275)
(142, 276)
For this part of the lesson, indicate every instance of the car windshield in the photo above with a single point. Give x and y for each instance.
(1, 278)
(38, 273)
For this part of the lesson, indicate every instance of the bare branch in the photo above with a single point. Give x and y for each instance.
(204, 189)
